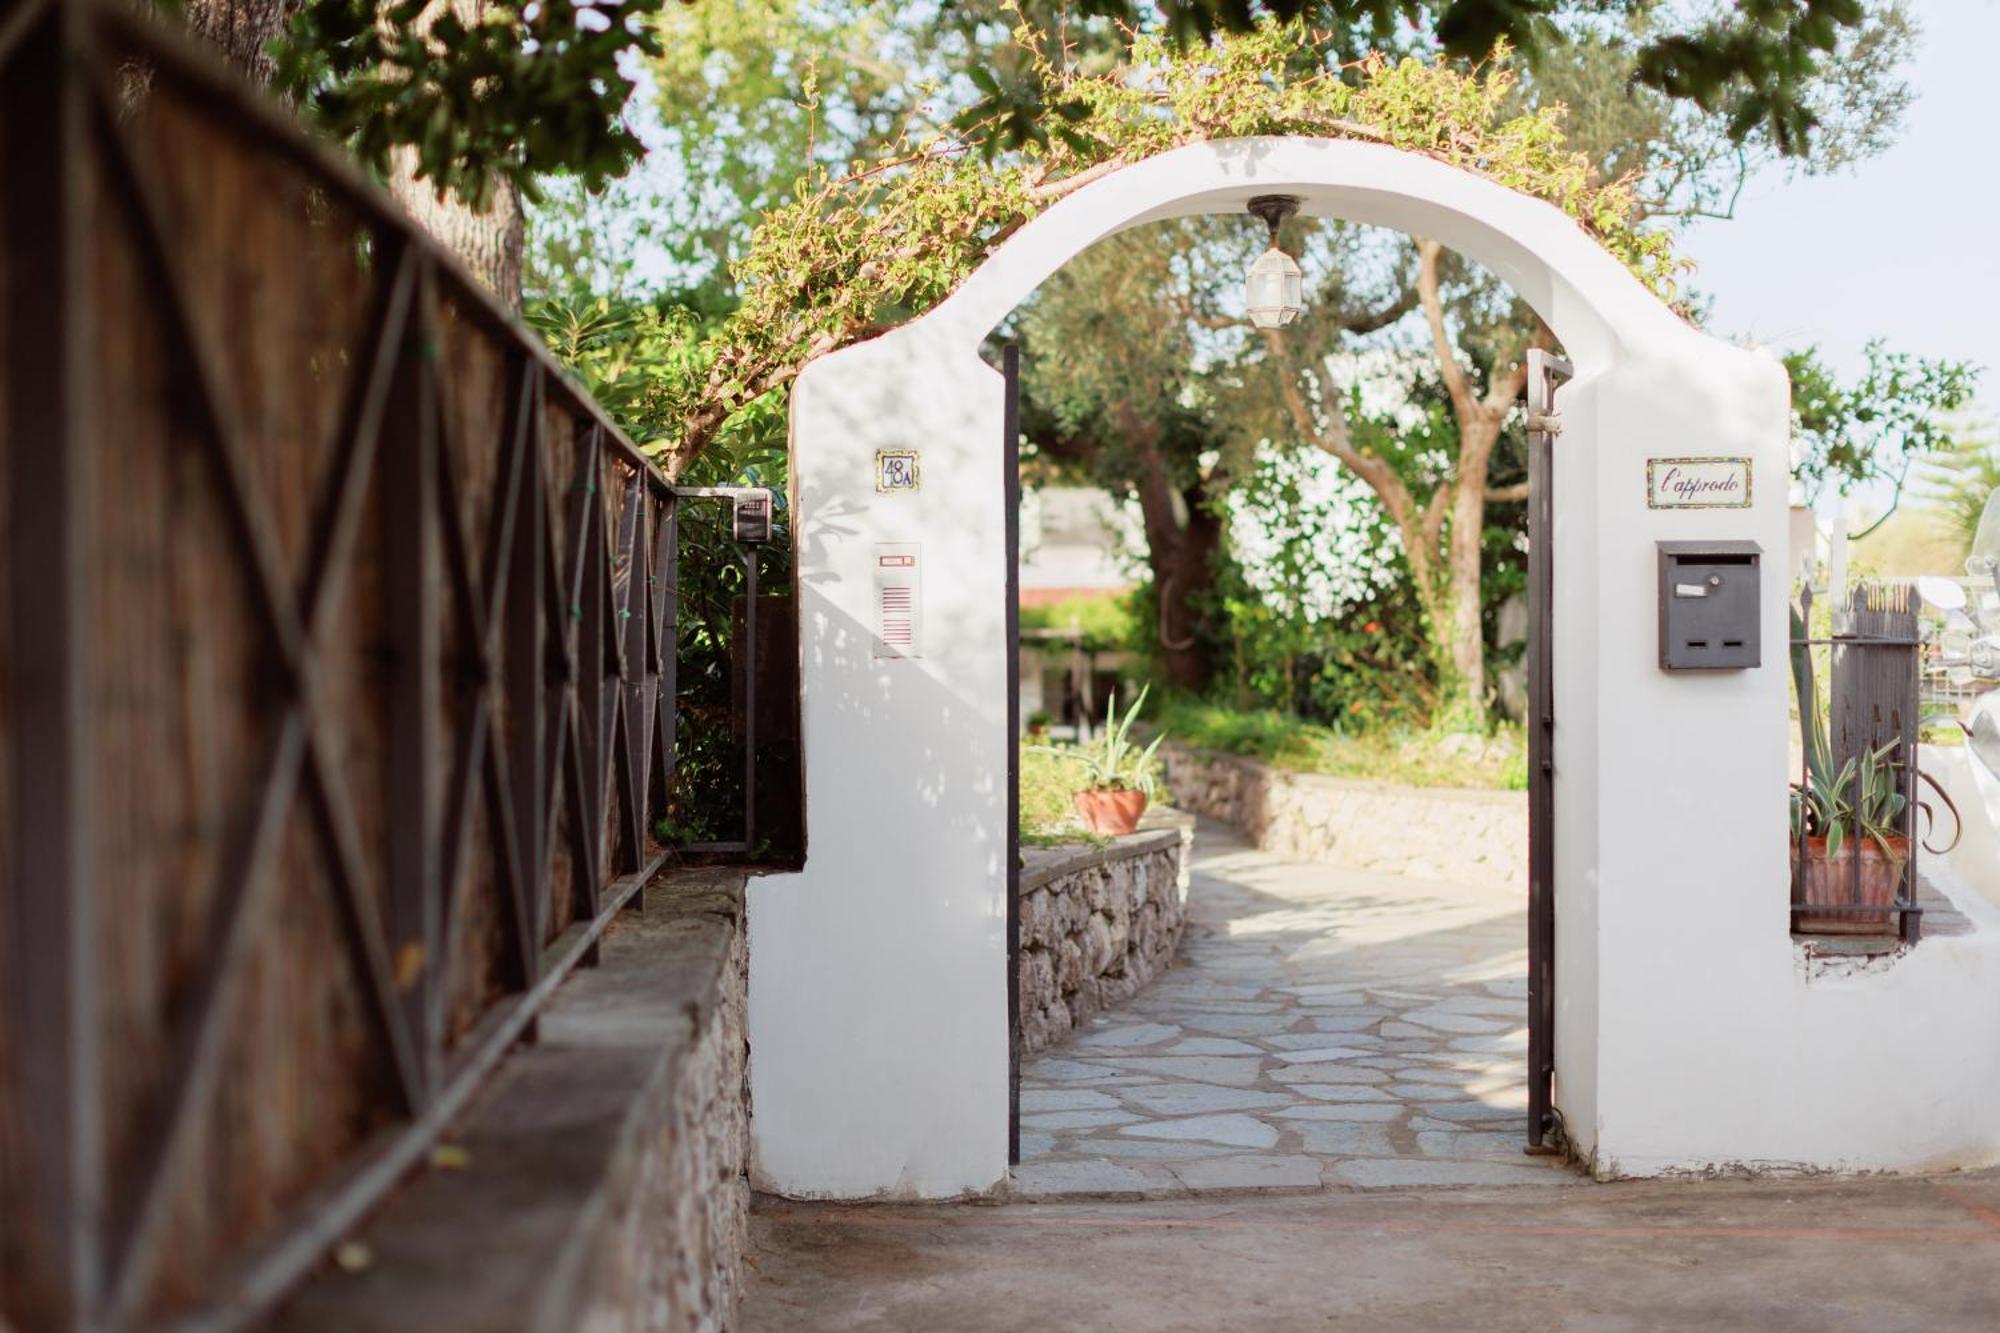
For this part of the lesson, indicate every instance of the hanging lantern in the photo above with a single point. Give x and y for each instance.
(1276, 289)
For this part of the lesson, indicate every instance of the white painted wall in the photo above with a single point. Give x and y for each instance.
(1688, 1034)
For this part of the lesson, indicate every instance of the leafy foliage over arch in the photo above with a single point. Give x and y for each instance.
(860, 252)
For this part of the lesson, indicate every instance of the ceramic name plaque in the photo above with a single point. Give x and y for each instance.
(1697, 483)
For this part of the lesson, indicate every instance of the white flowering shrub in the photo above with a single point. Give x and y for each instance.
(1310, 538)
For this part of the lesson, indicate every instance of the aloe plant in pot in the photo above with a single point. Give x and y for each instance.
(1859, 812)
(1121, 780)
(1850, 825)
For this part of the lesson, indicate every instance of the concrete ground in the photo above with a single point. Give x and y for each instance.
(1310, 1123)
(1321, 1028)
(1876, 1254)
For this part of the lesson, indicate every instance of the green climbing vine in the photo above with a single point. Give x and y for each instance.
(859, 252)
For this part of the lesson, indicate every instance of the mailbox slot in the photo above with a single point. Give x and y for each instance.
(1710, 612)
(750, 516)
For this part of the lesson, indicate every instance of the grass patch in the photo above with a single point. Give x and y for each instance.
(1407, 758)
(1497, 762)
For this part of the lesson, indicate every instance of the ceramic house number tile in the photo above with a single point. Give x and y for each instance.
(896, 470)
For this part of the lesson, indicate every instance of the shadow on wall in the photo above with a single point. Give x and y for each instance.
(868, 699)
(878, 999)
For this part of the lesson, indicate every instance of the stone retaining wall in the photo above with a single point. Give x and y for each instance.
(598, 1182)
(1431, 833)
(1097, 923)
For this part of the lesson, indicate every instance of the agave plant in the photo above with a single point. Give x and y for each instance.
(1114, 761)
(1861, 800)
(1864, 798)
(1812, 722)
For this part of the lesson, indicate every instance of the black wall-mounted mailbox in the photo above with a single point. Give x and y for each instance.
(1709, 613)
(750, 516)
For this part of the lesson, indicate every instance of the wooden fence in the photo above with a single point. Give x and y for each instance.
(335, 693)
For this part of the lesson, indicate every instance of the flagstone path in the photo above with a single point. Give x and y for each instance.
(1320, 1029)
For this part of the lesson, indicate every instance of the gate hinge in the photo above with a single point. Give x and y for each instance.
(1548, 422)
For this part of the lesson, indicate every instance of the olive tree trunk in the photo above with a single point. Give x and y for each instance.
(1182, 538)
(1440, 533)
(242, 30)
(490, 240)
(1480, 411)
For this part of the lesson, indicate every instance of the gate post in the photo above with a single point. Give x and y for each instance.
(51, 1269)
(1544, 373)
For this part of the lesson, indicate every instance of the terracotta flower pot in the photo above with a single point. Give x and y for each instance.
(1111, 811)
(1830, 881)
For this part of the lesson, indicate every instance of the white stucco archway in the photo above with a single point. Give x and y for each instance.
(1687, 1034)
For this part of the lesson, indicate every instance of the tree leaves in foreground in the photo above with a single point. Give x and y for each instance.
(1752, 62)
(538, 86)
(524, 90)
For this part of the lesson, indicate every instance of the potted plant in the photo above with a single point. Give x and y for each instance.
(1850, 828)
(1849, 825)
(1121, 774)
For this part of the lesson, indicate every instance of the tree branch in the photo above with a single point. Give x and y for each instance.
(1507, 494)
(1061, 446)
(1503, 387)
(1335, 440)
(1332, 415)
(1376, 321)
(1434, 512)
(1433, 303)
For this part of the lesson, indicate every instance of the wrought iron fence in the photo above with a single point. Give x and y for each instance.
(337, 683)
(741, 656)
(1857, 874)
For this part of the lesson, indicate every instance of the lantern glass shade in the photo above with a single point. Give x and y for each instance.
(1276, 290)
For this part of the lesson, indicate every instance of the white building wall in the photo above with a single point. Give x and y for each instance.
(878, 977)
(1689, 1036)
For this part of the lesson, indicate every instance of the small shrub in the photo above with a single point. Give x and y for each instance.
(1112, 760)
(1049, 779)
(1403, 756)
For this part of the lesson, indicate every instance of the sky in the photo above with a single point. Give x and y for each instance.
(1900, 247)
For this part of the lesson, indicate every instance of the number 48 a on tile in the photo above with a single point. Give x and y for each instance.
(896, 470)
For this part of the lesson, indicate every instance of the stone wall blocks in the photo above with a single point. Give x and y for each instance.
(1094, 935)
(1100, 888)
(1098, 949)
(1036, 918)
(1066, 917)
(1395, 830)
(1069, 960)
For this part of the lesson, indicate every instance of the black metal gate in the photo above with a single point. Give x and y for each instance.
(1545, 372)
(1010, 463)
